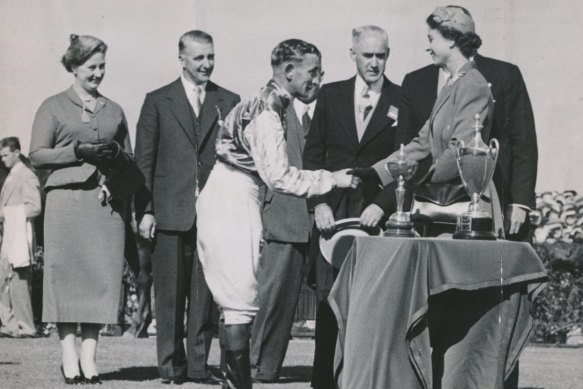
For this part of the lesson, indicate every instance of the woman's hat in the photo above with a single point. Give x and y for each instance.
(454, 17)
(334, 248)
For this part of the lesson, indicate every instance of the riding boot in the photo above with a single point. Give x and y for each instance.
(223, 362)
(238, 367)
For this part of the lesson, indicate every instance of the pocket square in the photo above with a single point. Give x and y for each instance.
(393, 112)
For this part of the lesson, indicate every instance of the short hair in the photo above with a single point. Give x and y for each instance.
(81, 48)
(292, 50)
(195, 35)
(468, 42)
(358, 32)
(12, 142)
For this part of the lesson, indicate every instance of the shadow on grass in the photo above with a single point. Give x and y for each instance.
(136, 373)
(289, 374)
(295, 374)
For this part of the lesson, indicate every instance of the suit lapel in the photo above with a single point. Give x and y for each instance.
(209, 115)
(181, 109)
(441, 99)
(379, 120)
(345, 111)
(429, 89)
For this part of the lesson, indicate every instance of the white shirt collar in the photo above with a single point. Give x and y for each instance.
(302, 108)
(360, 85)
(189, 88)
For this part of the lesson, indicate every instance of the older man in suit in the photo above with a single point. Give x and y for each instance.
(20, 202)
(353, 127)
(175, 149)
(286, 231)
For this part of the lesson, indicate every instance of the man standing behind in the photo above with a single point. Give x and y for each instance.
(19, 203)
(513, 126)
(286, 230)
(175, 150)
(353, 127)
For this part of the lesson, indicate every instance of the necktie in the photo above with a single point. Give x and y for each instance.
(366, 104)
(306, 120)
(196, 104)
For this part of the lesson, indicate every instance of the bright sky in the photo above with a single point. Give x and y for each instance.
(142, 35)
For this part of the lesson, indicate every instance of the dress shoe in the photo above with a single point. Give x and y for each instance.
(265, 380)
(77, 380)
(95, 380)
(173, 381)
(210, 379)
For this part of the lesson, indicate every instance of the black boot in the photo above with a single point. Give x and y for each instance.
(223, 363)
(237, 370)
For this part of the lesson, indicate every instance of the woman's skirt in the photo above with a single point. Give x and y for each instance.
(228, 236)
(83, 258)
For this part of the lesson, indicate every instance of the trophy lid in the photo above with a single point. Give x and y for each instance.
(402, 166)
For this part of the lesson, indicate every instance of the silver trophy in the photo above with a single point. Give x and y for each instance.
(476, 162)
(400, 223)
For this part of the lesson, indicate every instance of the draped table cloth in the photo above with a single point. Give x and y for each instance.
(431, 312)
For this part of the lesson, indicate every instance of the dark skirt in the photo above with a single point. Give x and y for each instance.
(83, 259)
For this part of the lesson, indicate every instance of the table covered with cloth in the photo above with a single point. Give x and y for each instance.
(431, 312)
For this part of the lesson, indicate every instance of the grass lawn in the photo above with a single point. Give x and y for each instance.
(131, 363)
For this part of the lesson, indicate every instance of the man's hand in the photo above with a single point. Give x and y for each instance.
(371, 216)
(324, 219)
(344, 179)
(148, 227)
(514, 218)
(366, 174)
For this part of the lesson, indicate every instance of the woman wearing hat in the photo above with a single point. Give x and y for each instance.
(465, 93)
(76, 133)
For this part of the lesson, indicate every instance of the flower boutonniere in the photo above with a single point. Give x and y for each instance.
(220, 121)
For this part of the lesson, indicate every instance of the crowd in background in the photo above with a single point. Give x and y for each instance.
(558, 217)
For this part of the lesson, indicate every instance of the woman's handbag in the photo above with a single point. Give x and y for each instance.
(123, 177)
(439, 203)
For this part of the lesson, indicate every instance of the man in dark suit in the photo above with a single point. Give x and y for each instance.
(512, 125)
(175, 149)
(286, 231)
(353, 127)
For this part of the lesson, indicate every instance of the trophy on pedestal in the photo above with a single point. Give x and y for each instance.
(476, 162)
(400, 223)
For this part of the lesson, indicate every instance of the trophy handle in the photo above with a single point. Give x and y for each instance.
(458, 146)
(494, 145)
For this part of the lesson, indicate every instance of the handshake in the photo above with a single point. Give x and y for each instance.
(351, 178)
(98, 151)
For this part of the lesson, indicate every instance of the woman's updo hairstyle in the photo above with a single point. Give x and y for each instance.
(81, 48)
(455, 23)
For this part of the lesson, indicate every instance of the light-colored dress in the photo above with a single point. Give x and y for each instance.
(251, 153)
(83, 238)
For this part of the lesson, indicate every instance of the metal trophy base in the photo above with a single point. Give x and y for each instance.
(400, 229)
(477, 228)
